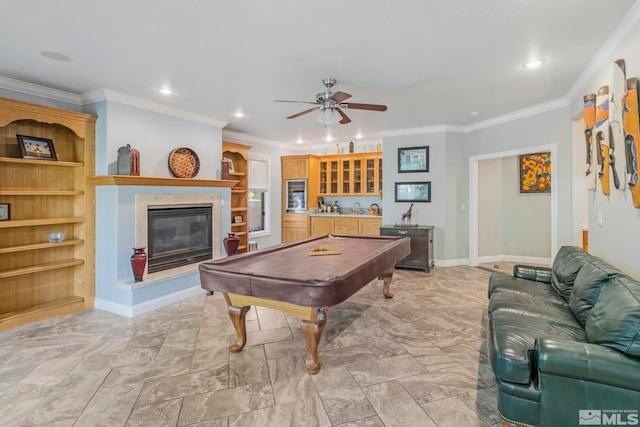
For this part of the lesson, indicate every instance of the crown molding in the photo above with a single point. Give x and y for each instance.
(423, 130)
(245, 138)
(99, 95)
(627, 28)
(38, 90)
(519, 114)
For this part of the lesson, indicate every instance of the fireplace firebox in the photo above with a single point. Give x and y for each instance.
(178, 235)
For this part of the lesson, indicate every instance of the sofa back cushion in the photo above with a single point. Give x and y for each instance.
(594, 276)
(565, 268)
(614, 320)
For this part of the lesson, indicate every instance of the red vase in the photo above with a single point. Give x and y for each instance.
(138, 263)
(231, 243)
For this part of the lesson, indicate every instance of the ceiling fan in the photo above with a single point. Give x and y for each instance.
(329, 105)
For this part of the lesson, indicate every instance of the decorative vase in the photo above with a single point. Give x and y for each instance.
(351, 147)
(138, 263)
(231, 243)
(224, 169)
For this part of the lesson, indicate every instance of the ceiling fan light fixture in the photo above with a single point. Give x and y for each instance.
(328, 116)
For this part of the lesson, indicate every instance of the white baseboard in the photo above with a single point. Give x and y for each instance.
(514, 258)
(138, 309)
(450, 262)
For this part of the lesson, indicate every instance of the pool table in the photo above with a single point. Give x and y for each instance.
(305, 279)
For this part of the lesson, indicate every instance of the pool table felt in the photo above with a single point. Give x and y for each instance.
(288, 273)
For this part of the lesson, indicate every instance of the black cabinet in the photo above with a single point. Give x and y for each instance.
(421, 256)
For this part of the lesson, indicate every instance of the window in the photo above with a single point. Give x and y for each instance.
(259, 178)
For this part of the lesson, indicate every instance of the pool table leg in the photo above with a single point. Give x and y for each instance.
(386, 287)
(237, 316)
(312, 332)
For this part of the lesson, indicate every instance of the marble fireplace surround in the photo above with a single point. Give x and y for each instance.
(142, 203)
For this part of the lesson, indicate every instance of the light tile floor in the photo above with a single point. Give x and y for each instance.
(418, 359)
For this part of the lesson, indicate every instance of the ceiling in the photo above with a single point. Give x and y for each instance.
(432, 62)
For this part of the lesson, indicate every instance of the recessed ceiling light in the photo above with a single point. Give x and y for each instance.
(474, 113)
(239, 114)
(299, 141)
(533, 63)
(56, 56)
(165, 90)
(358, 135)
(329, 138)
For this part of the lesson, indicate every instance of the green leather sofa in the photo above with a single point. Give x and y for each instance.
(564, 342)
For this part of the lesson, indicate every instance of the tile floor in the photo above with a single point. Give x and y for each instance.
(418, 359)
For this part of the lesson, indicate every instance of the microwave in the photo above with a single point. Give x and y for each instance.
(296, 195)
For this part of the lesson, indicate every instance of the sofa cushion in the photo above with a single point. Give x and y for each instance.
(532, 305)
(565, 269)
(512, 338)
(593, 278)
(503, 282)
(614, 320)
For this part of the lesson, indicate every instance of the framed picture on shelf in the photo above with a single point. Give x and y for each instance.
(4, 211)
(231, 170)
(413, 159)
(535, 172)
(416, 192)
(32, 147)
(237, 219)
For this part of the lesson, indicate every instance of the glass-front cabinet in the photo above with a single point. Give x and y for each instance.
(329, 177)
(373, 175)
(351, 176)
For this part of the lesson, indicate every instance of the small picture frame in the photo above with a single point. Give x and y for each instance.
(416, 192)
(237, 219)
(231, 169)
(413, 159)
(4, 211)
(32, 147)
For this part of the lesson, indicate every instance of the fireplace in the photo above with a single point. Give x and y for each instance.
(178, 235)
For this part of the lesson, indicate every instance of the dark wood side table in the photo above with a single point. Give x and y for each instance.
(421, 256)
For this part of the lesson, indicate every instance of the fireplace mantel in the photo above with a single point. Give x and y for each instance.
(159, 182)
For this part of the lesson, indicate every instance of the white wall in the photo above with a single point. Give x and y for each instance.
(490, 211)
(616, 240)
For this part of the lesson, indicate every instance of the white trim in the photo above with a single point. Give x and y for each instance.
(243, 137)
(450, 262)
(627, 27)
(514, 258)
(138, 309)
(37, 90)
(473, 196)
(121, 98)
(270, 197)
(519, 114)
(426, 129)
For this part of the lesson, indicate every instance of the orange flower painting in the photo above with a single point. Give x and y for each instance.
(535, 173)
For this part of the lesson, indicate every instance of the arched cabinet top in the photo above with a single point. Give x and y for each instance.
(12, 111)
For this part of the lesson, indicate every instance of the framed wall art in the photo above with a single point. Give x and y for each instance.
(413, 159)
(4, 211)
(36, 148)
(535, 173)
(416, 192)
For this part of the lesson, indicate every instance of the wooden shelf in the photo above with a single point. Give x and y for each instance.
(238, 190)
(237, 174)
(41, 221)
(241, 233)
(37, 246)
(159, 182)
(239, 209)
(41, 193)
(238, 224)
(239, 155)
(40, 267)
(40, 162)
(37, 312)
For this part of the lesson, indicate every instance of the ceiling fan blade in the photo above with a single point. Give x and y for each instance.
(345, 119)
(373, 107)
(340, 96)
(301, 113)
(298, 102)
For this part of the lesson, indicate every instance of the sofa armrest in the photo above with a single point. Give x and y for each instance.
(592, 363)
(530, 272)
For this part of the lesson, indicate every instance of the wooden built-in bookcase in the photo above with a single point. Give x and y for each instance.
(39, 279)
(239, 155)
